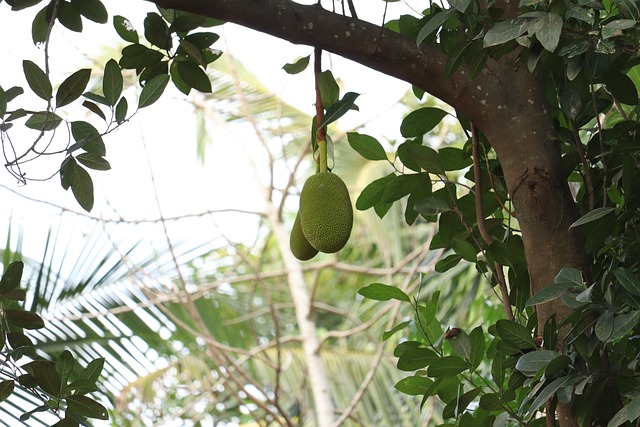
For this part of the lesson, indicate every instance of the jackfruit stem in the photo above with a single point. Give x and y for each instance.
(322, 145)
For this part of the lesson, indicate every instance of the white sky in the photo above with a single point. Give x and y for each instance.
(168, 129)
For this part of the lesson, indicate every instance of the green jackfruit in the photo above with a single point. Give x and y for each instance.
(326, 215)
(299, 245)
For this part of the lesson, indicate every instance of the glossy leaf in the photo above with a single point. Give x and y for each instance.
(93, 10)
(414, 386)
(6, 388)
(156, 31)
(421, 121)
(46, 376)
(367, 146)
(340, 108)
(400, 326)
(112, 82)
(433, 24)
(125, 29)
(505, 31)
(548, 30)
(91, 106)
(44, 121)
(416, 358)
(382, 292)
(73, 87)
(37, 80)
(298, 66)
(87, 407)
(152, 91)
(329, 89)
(514, 334)
(93, 161)
(372, 193)
(628, 280)
(532, 362)
(447, 366)
(40, 27)
(592, 216)
(87, 138)
(630, 412)
(427, 158)
(623, 324)
(11, 276)
(548, 392)
(77, 178)
(194, 76)
(69, 17)
(121, 110)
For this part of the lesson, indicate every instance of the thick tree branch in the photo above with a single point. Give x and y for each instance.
(363, 42)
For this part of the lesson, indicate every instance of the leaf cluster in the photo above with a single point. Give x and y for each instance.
(62, 384)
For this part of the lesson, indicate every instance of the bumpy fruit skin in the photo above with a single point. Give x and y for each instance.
(300, 247)
(326, 215)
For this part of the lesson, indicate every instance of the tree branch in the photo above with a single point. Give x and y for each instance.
(363, 42)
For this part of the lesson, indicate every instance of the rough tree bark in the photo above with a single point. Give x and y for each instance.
(506, 104)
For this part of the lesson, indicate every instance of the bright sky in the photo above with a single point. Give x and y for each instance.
(166, 130)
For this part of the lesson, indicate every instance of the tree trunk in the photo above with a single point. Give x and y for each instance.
(324, 410)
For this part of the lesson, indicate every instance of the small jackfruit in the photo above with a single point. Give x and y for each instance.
(299, 245)
(326, 215)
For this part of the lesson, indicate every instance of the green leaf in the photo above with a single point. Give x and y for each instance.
(421, 121)
(400, 326)
(153, 90)
(11, 277)
(505, 31)
(382, 292)
(447, 263)
(453, 159)
(37, 79)
(549, 293)
(94, 109)
(402, 185)
(592, 216)
(372, 193)
(435, 21)
(298, 66)
(193, 52)
(431, 205)
(340, 108)
(367, 146)
(630, 412)
(329, 89)
(64, 365)
(202, 40)
(22, 4)
(121, 110)
(69, 17)
(112, 82)
(44, 121)
(46, 376)
(125, 29)
(93, 10)
(492, 402)
(460, 5)
(628, 280)
(414, 386)
(93, 161)
(87, 138)
(84, 406)
(622, 88)
(6, 388)
(530, 363)
(460, 343)
(138, 57)
(74, 176)
(194, 76)
(514, 334)
(40, 27)
(604, 326)
(23, 319)
(447, 366)
(156, 31)
(416, 358)
(426, 157)
(93, 370)
(476, 337)
(548, 30)
(623, 324)
(548, 392)
(465, 249)
(73, 87)
(82, 386)
(615, 28)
